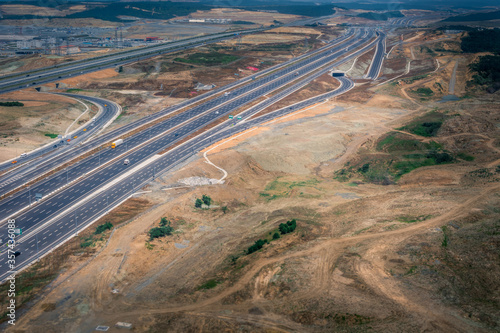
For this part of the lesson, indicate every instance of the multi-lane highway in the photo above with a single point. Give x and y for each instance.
(53, 220)
(9, 185)
(132, 126)
(378, 57)
(219, 106)
(18, 81)
(107, 112)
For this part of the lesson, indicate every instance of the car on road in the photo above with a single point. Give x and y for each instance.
(75, 136)
(14, 162)
(126, 162)
(17, 253)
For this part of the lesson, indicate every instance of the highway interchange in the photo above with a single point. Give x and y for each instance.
(75, 197)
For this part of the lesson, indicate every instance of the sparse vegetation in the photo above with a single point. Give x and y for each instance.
(426, 92)
(209, 284)
(427, 125)
(208, 59)
(414, 78)
(405, 154)
(51, 135)
(444, 243)
(465, 157)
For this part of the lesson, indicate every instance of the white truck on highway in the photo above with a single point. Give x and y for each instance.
(116, 143)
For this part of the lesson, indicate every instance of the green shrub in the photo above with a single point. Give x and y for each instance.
(206, 200)
(198, 203)
(276, 235)
(164, 222)
(425, 91)
(287, 227)
(103, 227)
(158, 232)
(257, 246)
(11, 104)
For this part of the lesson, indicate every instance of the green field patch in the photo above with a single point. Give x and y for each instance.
(209, 284)
(281, 189)
(465, 157)
(427, 125)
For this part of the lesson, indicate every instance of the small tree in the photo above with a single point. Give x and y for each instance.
(257, 246)
(206, 200)
(164, 222)
(198, 203)
(292, 225)
(224, 209)
(276, 235)
(160, 232)
(283, 228)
